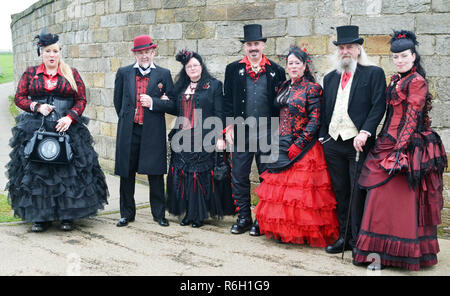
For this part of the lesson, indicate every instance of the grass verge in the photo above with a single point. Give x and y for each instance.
(6, 213)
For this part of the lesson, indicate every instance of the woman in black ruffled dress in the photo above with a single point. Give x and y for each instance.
(191, 188)
(44, 192)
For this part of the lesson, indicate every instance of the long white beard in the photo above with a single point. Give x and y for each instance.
(346, 65)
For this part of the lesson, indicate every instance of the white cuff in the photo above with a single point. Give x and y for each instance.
(366, 132)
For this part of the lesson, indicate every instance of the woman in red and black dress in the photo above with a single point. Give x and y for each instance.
(403, 172)
(45, 192)
(296, 201)
(191, 188)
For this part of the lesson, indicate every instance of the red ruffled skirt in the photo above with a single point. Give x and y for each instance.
(298, 205)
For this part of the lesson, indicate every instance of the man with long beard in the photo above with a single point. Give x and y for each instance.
(352, 107)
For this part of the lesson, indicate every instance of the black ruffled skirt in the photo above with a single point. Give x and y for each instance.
(192, 189)
(40, 192)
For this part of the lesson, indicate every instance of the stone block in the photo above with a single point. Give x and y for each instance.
(283, 44)
(148, 17)
(126, 5)
(406, 6)
(113, 6)
(382, 25)
(426, 44)
(110, 115)
(164, 16)
(100, 8)
(115, 64)
(72, 51)
(299, 26)
(99, 80)
(113, 20)
(215, 13)
(285, 10)
(327, 26)
(272, 28)
(107, 95)
(199, 30)
(362, 7)
(173, 3)
(377, 44)
(186, 15)
(219, 47)
(443, 45)
(109, 79)
(442, 88)
(174, 31)
(434, 24)
(100, 35)
(250, 12)
(115, 35)
(436, 65)
(440, 6)
(436, 114)
(314, 45)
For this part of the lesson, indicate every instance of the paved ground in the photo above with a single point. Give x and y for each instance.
(98, 247)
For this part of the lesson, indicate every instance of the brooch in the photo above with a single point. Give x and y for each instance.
(206, 86)
(241, 72)
(160, 86)
(272, 74)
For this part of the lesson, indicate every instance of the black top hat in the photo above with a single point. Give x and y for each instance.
(253, 32)
(347, 35)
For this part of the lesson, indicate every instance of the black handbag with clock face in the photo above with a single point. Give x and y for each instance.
(49, 147)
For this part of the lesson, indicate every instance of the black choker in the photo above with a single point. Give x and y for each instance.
(195, 81)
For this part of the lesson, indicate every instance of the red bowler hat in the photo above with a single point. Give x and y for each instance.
(142, 42)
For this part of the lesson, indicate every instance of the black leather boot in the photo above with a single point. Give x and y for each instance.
(254, 230)
(40, 226)
(337, 246)
(242, 225)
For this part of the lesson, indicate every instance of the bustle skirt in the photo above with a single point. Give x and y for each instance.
(192, 190)
(39, 192)
(298, 205)
(402, 210)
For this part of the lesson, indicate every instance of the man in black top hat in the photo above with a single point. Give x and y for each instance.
(352, 107)
(250, 89)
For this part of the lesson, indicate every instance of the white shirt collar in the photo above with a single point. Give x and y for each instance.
(152, 66)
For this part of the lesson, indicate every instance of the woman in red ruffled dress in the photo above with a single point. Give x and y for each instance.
(403, 172)
(296, 201)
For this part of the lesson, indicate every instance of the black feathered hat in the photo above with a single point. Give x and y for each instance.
(403, 40)
(45, 39)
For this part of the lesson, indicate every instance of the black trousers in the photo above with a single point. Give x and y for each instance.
(240, 178)
(340, 159)
(127, 184)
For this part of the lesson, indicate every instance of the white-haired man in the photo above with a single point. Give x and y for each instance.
(352, 107)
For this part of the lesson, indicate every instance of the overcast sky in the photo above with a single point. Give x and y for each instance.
(7, 8)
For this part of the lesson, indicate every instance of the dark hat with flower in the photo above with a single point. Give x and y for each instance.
(403, 40)
(45, 39)
(301, 54)
(183, 56)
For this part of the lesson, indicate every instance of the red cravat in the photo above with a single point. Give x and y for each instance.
(345, 78)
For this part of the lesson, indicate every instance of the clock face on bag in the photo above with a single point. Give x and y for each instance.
(49, 149)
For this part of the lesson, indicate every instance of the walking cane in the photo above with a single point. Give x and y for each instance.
(355, 183)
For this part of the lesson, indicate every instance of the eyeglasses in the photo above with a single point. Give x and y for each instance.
(192, 66)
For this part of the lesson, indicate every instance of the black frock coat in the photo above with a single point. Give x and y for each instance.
(153, 151)
(235, 87)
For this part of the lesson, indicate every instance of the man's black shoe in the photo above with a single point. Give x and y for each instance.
(337, 247)
(254, 230)
(241, 225)
(66, 225)
(40, 226)
(161, 221)
(124, 222)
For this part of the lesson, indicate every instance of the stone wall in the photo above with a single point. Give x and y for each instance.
(97, 35)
